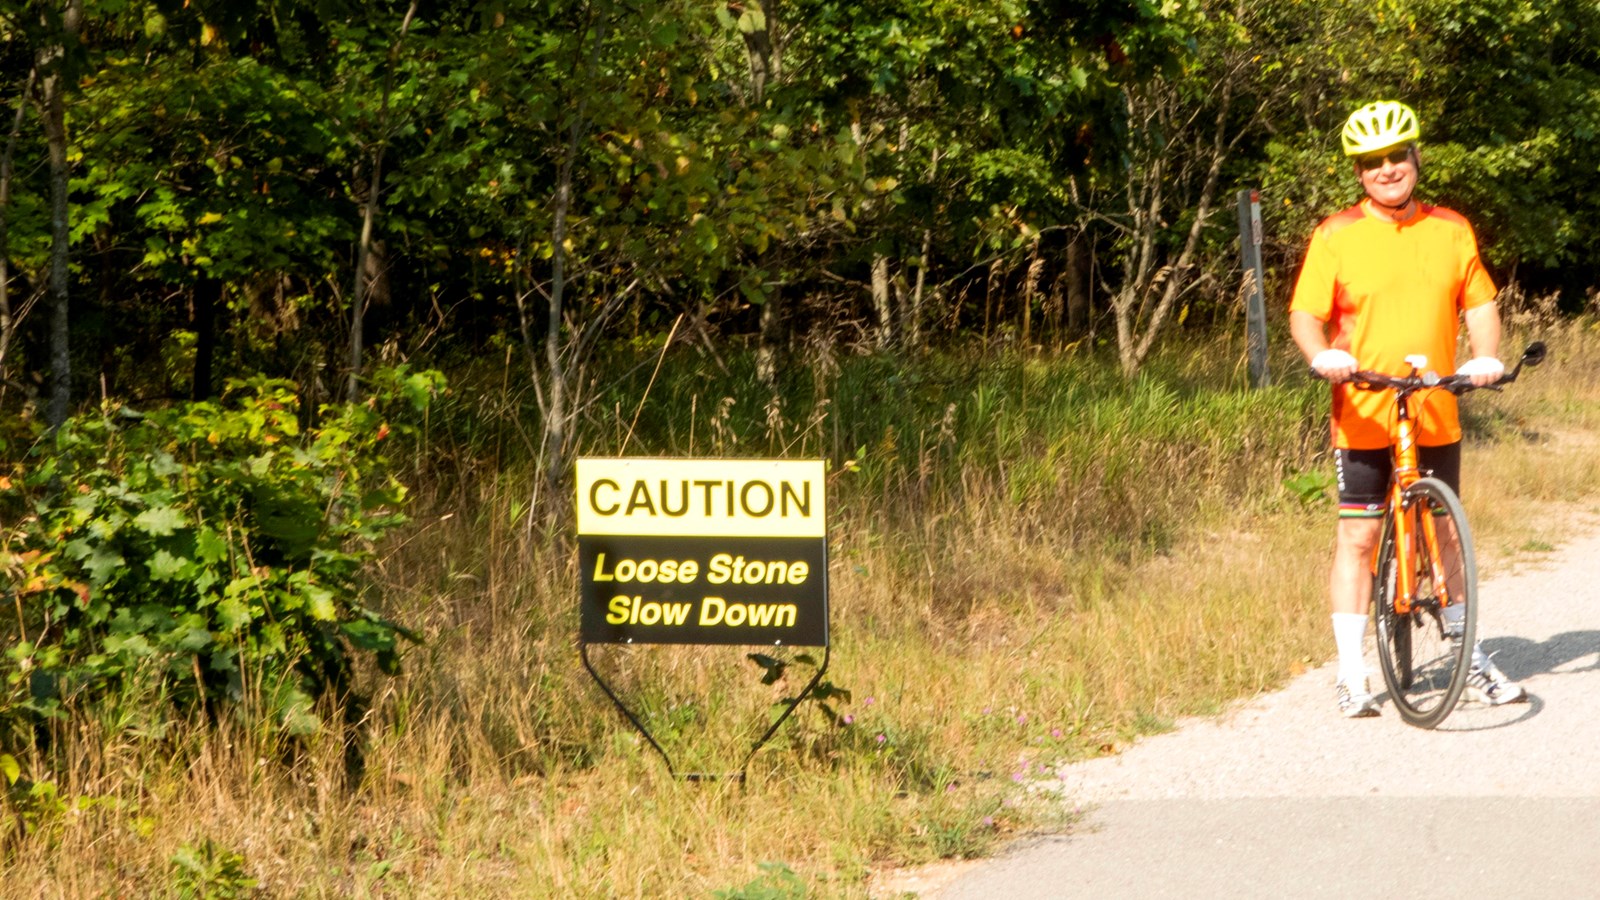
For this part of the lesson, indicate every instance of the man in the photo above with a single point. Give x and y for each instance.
(1394, 277)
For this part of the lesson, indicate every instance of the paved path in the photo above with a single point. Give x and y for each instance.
(1281, 798)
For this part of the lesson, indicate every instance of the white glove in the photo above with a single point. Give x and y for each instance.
(1332, 360)
(1485, 367)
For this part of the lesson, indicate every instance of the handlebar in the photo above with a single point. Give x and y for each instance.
(1455, 384)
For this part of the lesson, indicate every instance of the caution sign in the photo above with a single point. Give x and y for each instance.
(702, 551)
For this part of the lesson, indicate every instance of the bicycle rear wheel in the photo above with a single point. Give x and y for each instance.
(1424, 666)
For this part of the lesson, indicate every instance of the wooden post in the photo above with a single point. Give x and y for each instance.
(1255, 298)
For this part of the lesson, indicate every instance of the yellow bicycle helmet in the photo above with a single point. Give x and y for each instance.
(1379, 126)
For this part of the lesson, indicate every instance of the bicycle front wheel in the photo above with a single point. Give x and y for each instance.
(1394, 641)
(1425, 652)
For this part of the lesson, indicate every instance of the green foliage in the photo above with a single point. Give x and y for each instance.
(34, 805)
(824, 694)
(1512, 92)
(210, 871)
(1312, 488)
(1508, 93)
(977, 114)
(212, 549)
(231, 204)
(776, 882)
(673, 182)
(234, 144)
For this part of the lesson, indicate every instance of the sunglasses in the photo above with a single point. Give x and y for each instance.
(1396, 156)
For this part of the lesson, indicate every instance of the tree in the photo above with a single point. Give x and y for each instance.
(601, 159)
(1183, 130)
(1509, 95)
(369, 209)
(59, 33)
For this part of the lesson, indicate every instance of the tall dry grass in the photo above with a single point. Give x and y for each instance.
(1531, 452)
(1031, 563)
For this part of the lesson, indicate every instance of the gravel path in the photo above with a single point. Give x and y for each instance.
(1281, 797)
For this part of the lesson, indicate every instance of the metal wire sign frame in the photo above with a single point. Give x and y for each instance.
(702, 551)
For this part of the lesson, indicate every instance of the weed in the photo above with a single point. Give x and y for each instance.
(210, 871)
(776, 882)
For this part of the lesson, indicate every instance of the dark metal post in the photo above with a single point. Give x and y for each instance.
(1255, 298)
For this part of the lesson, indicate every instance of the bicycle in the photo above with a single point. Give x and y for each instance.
(1424, 564)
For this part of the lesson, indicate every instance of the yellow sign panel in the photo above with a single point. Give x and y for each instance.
(702, 497)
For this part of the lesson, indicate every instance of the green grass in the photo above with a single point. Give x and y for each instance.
(1031, 563)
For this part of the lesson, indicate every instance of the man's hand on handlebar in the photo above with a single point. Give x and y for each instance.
(1482, 370)
(1334, 364)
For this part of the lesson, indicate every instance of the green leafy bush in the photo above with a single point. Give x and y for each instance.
(209, 551)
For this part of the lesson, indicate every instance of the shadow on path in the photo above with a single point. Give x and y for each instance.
(1521, 658)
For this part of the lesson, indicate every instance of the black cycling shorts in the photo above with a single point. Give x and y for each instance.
(1364, 476)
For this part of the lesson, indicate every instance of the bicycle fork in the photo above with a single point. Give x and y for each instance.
(1406, 473)
(1406, 537)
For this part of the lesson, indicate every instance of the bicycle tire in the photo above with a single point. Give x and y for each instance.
(1394, 642)
(1425, 670)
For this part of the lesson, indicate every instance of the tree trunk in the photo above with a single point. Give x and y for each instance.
(881, 302)
(882, 306)
(913, 316)
(769, 352)
(369, 215)
(207, 298)
(1173, 289)
(1077, 278)
(555, 414)
(358, 296)
(52, 63)
(556, 395)
(1030, 291)
(913, 324)
(1151, 286)
(757, 25)
(1123, 306)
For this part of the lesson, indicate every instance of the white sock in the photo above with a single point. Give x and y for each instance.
(1480, 659)
(1454, 613)
(1349, 630)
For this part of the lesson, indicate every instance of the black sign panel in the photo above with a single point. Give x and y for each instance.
(704, 590)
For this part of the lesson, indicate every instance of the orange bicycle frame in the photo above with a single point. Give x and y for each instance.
(1406, 473)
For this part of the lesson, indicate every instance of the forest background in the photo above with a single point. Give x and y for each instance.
(306, 308)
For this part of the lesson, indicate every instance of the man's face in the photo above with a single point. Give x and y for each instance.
(1389, 176)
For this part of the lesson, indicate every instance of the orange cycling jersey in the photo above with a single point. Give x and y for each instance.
(1391, 290)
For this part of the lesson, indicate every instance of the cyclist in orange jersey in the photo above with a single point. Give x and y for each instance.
(1385, 279)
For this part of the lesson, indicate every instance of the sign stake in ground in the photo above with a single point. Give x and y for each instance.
(702, 551)
(1255, 297)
